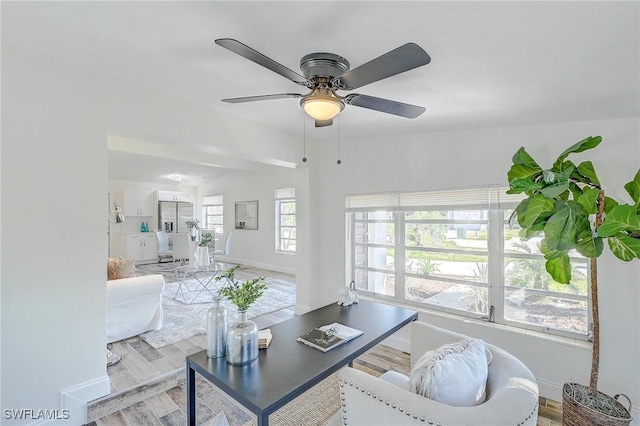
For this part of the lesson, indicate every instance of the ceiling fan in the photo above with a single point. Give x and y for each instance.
(326, 73)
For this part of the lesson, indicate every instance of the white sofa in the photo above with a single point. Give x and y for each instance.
(512, 392)
(134, 305)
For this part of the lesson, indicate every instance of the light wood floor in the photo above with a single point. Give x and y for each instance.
(148, 384)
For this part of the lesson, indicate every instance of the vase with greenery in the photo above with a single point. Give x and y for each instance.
(242, 337)
(193, 226)
(202, 258)
(566, 203)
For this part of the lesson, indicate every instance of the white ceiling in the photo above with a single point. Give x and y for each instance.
(494, 64)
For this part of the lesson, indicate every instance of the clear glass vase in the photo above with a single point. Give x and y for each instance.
(242, 341)
(216, 329)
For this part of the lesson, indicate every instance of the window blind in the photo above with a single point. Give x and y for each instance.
(285, 193)
(474, 198)
(210, 200)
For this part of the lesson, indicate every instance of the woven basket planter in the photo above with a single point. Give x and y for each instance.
(580, 409)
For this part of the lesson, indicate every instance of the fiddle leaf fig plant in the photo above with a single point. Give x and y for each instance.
(567, 204)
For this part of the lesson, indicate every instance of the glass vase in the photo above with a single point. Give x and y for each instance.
(242, 341)
(216, 329)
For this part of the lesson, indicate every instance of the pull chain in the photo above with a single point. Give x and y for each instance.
(304, 138)
(339, 161)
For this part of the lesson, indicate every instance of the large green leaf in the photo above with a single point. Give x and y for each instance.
(523, 157)
(522, 171)
(586, 169)
(564, 167)
(560, 230)
(576, 191)
(519, 185)
(589, 200)
(624, 247)
(633, 189)
(528, 233)
(520, 212)
(539, 207)
(585, 144)
(567, 168)
(555, 184)
(558, 266)
(621, 218)
(609, 204)
(588, 246)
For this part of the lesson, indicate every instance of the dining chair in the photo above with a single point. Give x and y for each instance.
(163, 246)
(181, 247)
(225, 251)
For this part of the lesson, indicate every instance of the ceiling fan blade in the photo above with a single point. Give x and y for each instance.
(261, 98)
(385, 105)
(243, 50)
(324, 123)
(401, 59)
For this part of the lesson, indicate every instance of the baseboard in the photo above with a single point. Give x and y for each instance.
(260, 265)
(550, 390)
(75, 399)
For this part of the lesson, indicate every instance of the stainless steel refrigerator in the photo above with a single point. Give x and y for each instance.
(172, 215)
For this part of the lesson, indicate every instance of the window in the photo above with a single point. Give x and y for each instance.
(286, 220)
(213, 213)
(455, 251)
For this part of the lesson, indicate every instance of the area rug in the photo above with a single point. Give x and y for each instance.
(182, 321)
(315, 407)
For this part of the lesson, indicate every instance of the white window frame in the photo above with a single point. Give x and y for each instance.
(495, 200)
(213, 201)
(284, 196)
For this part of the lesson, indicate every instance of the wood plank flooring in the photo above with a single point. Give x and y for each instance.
(148, 385)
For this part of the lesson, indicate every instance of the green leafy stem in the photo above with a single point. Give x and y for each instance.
(241, 294)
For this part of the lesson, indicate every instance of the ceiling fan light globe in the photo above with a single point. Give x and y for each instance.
(322, 107)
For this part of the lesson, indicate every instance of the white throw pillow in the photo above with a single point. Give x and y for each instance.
(454, 374)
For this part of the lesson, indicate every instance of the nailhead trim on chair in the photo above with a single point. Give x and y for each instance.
(529, 416)
(400, 409)
(380, 399)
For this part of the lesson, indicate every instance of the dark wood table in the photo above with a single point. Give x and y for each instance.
(288, 368)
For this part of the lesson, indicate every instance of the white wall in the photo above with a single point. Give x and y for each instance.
(254, 247)
(54, 184)
(56, 120)
(471, 158)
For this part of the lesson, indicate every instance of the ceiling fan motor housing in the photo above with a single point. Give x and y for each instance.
(323, 65)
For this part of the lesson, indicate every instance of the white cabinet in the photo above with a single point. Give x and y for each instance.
(172, 196)
(140, 247)
(136, 202)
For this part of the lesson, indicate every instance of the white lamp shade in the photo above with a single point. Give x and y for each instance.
(322, 105)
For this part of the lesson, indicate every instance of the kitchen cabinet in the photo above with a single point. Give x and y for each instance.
(136, 202)
(172, 196)
(140, 247)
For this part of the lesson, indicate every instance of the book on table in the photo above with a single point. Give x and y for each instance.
(264, 338)
(329, 336)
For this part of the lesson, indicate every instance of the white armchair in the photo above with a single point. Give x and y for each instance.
(512, 392)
